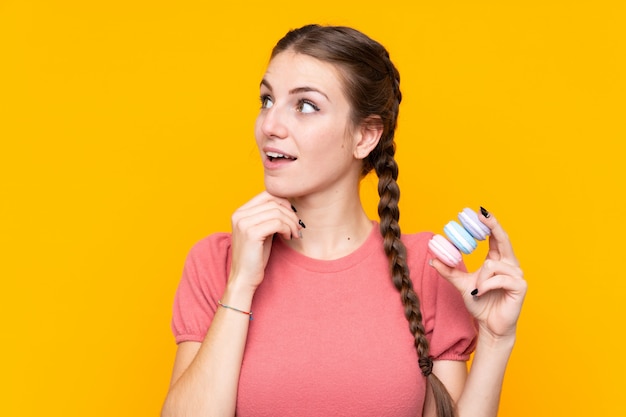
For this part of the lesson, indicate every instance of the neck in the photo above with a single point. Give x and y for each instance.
(333, 229)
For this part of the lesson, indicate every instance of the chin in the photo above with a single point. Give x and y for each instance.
(279, 190)
(285, 188)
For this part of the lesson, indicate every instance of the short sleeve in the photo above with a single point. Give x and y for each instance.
(203, 281)
(450, 328)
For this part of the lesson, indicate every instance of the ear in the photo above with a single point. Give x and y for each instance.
(367, 137)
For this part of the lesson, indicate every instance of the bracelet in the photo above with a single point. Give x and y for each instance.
(249, 313)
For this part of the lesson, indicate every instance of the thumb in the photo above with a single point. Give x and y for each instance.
(457, 277)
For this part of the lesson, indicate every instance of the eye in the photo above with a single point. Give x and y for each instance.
(266, 102)
(306, 106)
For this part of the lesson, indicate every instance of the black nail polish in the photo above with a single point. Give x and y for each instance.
(484, 212)
(474, 292)
(302, 223)
(294, 209)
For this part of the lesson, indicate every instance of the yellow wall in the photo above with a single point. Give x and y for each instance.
(126, 136)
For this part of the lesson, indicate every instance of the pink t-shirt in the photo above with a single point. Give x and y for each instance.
(329, 338)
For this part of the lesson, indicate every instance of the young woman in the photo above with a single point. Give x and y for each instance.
(351, 317)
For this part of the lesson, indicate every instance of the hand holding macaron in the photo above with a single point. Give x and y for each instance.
(495, 292)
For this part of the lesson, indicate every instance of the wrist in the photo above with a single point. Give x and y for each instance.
(490, 341)
(238, 292)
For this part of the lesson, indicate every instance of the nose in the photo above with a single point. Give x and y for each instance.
(272, 123)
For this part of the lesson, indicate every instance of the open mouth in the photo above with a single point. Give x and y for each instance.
(273, 156)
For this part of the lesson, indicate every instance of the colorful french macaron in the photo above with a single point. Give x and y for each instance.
(469, 220)
(460, 237)
(445, 251)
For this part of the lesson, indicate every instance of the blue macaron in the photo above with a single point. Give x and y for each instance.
(460, 237)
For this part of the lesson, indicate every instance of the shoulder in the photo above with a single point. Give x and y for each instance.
(208, 260)
(416, 240)
(448, 324)
(216, 243)
(213, 247)
(426, 281)
(417, 247)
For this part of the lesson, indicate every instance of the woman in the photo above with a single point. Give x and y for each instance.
(331, 291)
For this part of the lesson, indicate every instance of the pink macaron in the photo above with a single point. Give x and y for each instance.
(445, 251)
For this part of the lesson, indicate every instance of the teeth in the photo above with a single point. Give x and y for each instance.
(275, 155)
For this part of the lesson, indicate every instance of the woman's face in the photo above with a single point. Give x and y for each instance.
(303, 130)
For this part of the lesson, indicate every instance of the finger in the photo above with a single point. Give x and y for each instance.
(265, 197)
(271, 215)
(503, 282)
(491, 268)
(260, 201)
(269, 227)
(457, 277)
(265, 206)
(499, 244)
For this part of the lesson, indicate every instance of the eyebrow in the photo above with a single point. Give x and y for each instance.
(296, 90)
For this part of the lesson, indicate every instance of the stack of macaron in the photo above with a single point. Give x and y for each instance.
(461, 238)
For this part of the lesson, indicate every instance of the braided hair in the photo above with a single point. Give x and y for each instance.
(372, 85)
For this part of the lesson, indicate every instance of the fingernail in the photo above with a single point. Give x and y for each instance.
(430, 262)
(294, 209)
(484, 212)
(301, 223)
(474, 292)
(300, 234)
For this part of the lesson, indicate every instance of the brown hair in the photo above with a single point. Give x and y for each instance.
(372, 85)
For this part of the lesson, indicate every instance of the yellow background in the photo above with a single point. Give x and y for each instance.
(126, 136)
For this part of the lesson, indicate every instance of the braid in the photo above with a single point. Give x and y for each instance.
(389, 213)
(389, 192)
(386, 168)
